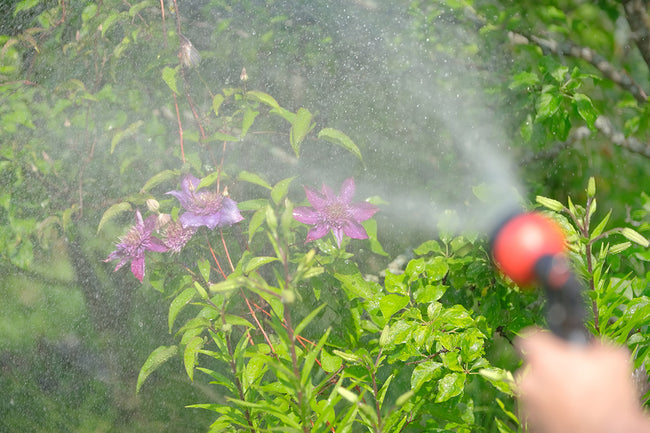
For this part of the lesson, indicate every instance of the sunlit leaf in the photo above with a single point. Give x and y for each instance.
(391, 304)
(450, 386)
(247, 120)
(247, 176)
(125, 133)
(256, 262)
(191, 354)
(177, 305)
(262, 97)
(155, 360)
(340, 139)
(300, 127)
(635, 236)
(169, 77)
(112, 212)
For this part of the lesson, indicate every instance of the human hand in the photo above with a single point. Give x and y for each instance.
(569, 388)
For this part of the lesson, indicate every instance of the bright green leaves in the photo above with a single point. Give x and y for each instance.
(340, 139)
(155, 360)
(170, 77)
(301, 125)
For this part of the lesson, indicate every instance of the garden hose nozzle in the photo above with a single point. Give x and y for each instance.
(531, 248)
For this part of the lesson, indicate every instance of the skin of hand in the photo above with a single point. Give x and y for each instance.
(567, 388)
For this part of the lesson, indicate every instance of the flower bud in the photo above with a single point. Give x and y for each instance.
(153, 205)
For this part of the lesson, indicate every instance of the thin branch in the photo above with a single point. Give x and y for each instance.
(636, 13)
(568, 48)
(604, 125)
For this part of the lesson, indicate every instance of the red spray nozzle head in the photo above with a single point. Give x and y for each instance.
(522, 241)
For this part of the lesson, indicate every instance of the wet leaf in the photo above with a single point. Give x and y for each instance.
(169, 76)
(391, 304)
(177, 305)
(256, 262)
(247, 176)
(216, 103)
(340, 139)
(300, 127)
(112, 212)
(159, 178)
(125, 133)
(191, 353)
(450, 386)
(155, 360)
(280, 189)
(262, 97)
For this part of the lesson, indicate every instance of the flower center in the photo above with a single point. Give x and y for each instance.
(206, 203)
(336, 213)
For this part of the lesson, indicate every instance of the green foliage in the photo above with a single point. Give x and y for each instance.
(99, 117)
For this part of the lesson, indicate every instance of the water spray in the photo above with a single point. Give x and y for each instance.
(530, 248)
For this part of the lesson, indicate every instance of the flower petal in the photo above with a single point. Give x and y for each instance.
(354, 230)
(315, 199)
(183, 198)
(306, 215)
(189, 219)
(137, 267)
(317, 232)
(362, 211)
(229, 212)
(338, 235)
(347, 190)
(156, 245)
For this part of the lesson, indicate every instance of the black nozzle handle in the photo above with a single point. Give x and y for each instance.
(565, 309)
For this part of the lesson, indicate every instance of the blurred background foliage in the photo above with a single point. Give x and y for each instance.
(86, 118)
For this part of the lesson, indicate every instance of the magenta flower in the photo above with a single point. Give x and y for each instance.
(335, 213)
(205, 208)
(133, 245)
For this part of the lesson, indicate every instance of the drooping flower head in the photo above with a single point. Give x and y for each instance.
(203, 207)
(134, 243)
(335, 213)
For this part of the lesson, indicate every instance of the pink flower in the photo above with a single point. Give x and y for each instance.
(133, 245)
(335, 213)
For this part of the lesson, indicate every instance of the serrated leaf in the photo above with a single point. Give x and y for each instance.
(300, 127)
(262, 97)
(340, 139)
(177, 305)
(159, 178)
(424, 372)
(112, 212)
(169, 76)
(548, 103)
(280, 189)
(125, 133)
(249, 177)
(155, 360)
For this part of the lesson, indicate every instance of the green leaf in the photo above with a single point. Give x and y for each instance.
(191, 354)
(391, 304)
(586, 109)
(169, 76)
(177, 305)
(427, 248)
(210, 179)
(222, 136)
(300, 127)
(425, 372)
(204, 268)
(601, 226)
(330, 363)
(255, 262)
(523, 79)
(159, 178)
(112, 212)
(125, 133)
(133, 11)
(548, 103)
(280, 190)
(25, 5)
(356, 286)
(501, 379)
(216, 103)
(304, 322)
(450, 386)
(549, 203)
(263, 98)
(340, 139)
(228, 285)
(155, 360)
(247, 176)
(247, 120)
(371, 229)
(256, 221)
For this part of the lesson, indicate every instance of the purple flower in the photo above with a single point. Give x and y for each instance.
(205, 208)
(336, 213)
(176, 236)
(133, 245)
